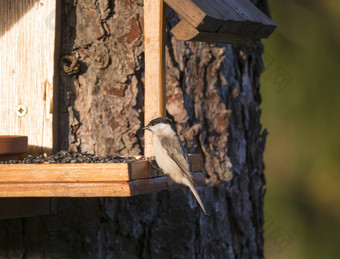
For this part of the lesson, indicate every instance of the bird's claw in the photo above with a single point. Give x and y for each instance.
(154, 167)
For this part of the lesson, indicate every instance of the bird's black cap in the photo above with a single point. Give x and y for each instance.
(161, 120)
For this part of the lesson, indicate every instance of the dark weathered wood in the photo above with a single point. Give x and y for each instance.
(236, 11)
(184, 31)
(229, 21)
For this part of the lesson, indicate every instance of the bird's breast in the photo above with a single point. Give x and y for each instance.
(165, 162)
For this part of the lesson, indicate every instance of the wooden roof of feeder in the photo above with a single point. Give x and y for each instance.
(229, 21)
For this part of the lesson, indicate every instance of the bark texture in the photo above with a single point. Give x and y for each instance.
(212, 94)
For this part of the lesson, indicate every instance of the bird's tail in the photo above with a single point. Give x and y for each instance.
(194, 191)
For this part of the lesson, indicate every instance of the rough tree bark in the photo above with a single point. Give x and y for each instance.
(212, 94)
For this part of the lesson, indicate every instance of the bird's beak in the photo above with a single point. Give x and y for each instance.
(146, 128)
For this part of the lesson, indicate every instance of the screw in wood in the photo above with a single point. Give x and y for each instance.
(21, 110)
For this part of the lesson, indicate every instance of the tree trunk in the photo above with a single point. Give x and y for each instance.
(212, 95)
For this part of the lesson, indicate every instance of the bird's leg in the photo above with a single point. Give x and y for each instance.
(167, 184)
(154, 167)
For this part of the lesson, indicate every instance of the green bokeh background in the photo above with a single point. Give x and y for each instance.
(301, 109)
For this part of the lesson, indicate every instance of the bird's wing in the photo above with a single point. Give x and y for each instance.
(173, 147)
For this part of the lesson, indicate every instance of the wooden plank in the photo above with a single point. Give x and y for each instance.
(154, 94)
(228, 21)
(187, 10)
(139, 169)
(40, 173)
(190, 12)
(65, 189)
(27, 67)
(92, 189)
(247, 29)
(217, 9)
(24, 207)
(84, 172)
(184, 31)
(247, 10)
(235, 10)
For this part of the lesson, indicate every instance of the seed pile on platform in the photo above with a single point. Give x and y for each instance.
(63, 157)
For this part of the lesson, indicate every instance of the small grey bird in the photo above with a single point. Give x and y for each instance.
(171, 155)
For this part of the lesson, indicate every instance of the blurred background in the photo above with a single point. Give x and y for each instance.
(301, 110)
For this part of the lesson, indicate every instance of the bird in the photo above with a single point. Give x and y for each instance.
(170, 154)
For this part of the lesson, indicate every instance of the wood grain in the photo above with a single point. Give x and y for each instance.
(92, 189)
(27, 67)
(65, 189)
(187, 10)
(184, 31)
(154, 95)
(65, 172)
(85, 180)
(85, 172)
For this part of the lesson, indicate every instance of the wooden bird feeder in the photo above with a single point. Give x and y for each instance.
(28, 91)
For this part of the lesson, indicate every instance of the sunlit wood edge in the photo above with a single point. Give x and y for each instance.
(93, 189)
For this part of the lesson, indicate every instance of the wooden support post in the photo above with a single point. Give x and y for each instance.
(154, 30)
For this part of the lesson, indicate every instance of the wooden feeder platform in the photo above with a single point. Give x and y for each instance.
(87, 179)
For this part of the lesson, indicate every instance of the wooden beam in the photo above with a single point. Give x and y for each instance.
(84, 172)
(96, 172)
(187, 10)
(86, 179)
(154, 93)
(237, 22)
(65, 189)
(185, 31)
(27, 71)
(92, 189)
